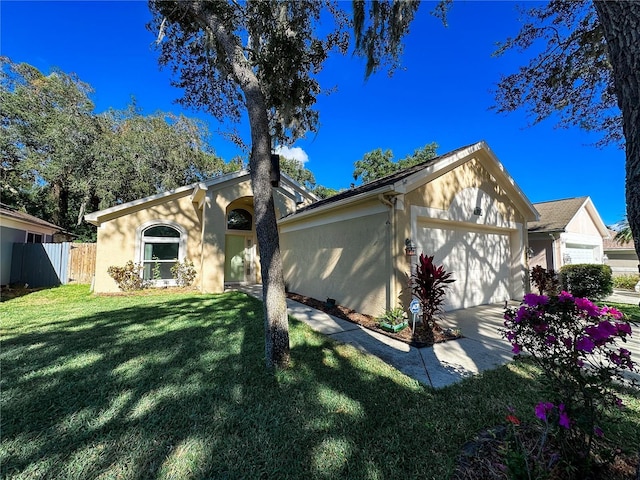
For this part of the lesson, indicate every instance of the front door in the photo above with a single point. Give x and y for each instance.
(238, 259)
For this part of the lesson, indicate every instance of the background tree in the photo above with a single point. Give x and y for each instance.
(297, 171)
(588, 66)
(305, 177)
(60, 160)
(144, 155)
(377, 163)
(262, 57)
(624, 232)
(48, 129)
(325, 192)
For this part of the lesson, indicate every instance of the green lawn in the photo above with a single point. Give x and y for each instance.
(173, 386)
(631, 311)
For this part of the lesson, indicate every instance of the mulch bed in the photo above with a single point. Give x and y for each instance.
(484, 459)
(418, 339)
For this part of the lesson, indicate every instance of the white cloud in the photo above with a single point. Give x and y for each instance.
(295, 153)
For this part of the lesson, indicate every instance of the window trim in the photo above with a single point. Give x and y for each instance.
(235, 231)
(139, 247)
(43, 237)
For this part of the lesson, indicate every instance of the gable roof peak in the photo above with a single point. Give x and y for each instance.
(555, 215)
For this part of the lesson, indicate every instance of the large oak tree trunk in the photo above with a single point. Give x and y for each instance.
(275, 307)
(621, 24)
(276, 321)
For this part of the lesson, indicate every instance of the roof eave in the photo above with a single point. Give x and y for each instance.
(338, 204)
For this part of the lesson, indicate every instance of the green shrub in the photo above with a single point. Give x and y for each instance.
(627, 282)
(591, 281)
(129, 277)
(184, 273)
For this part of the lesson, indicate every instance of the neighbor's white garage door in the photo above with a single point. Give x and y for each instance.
(479, 261)
(579, 254)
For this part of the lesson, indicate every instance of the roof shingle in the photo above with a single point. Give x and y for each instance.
(555, 215)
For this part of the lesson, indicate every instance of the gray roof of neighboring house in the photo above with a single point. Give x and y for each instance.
(555, 215)
(10, 212)
(381, 182)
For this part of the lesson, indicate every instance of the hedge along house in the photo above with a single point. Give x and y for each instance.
(210, 223)
(463, 208)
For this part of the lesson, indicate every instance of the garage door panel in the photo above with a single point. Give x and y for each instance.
(478, 260)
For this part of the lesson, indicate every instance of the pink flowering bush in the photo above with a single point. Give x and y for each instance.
(578, 347)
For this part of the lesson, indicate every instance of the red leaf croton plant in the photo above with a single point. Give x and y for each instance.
(430, 283)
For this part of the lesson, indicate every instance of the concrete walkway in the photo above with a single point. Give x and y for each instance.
(482, 347)
(624, 296)
(443, 364)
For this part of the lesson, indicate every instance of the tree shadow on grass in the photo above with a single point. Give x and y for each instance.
(179, 390)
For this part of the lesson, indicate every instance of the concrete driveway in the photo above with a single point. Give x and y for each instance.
(481, 325)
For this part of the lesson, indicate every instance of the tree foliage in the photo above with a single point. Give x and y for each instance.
(262, 56)
(570, 78)
(377, 163)
(623, 234)
(60, 159)
(298, 172)
(277, 41)
(379, 28)
(588, 74)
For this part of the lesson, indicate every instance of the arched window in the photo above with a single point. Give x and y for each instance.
(160, 251)
(239, 219)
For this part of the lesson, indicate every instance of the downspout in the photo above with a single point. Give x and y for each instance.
(554, 256)
(204, 206)
(392, 249)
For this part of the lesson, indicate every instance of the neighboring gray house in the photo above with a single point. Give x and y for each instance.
(20, 227)
(622, 258)
(569, 231)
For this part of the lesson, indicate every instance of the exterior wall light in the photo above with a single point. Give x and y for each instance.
(477, 211)
(409, 248)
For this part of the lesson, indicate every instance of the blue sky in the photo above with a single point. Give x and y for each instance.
(442, 94)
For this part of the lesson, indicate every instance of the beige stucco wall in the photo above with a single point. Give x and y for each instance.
(360, 260)
(582, 223)
(622, 262)
(343, 255)
(450, 200)
(117, 237)
(439, 193)
(204, 246)
(542, 251)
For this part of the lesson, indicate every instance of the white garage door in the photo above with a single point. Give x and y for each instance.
(579, 254)
(479, 261)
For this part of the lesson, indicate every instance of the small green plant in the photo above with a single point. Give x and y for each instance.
(184, 273)
(129, 277)
(546, 281)
(430, 283)
(587, 280)
(626, 282)
(395, 316)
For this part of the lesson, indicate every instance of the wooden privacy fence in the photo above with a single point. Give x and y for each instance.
(52, 264)
(82, 262)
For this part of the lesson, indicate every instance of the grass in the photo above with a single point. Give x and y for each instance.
(173, 386)
(631, 311)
